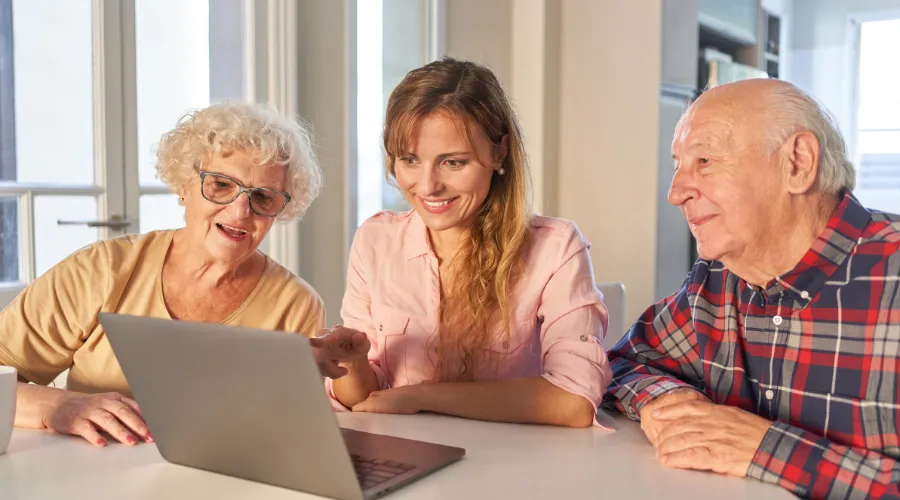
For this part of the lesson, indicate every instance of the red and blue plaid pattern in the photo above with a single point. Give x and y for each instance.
(817, 352)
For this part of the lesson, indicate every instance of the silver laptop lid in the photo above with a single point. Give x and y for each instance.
(239, 401)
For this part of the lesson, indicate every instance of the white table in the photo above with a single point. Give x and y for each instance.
(502, 461)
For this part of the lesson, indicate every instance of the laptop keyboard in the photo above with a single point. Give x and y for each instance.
(372, 472)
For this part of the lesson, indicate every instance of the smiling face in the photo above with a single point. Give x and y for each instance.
(726, 183)
(444, 178)
(230, 233)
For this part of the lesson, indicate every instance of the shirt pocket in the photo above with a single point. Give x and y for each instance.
(390, 327)
(523, 338)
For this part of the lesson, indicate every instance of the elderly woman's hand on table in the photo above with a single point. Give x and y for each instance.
(86, 415)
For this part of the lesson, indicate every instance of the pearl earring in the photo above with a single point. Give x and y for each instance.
(501, 171)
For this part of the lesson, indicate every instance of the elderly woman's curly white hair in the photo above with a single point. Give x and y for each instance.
(272, 139)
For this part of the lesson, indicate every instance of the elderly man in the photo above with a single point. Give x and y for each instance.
(779, 357)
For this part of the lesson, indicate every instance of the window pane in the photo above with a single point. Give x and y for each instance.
(9, 240)
(184, 61)
(53, 242)
(405, 35)
(161, 211)
(879, 75)
(878, 128)
(391, 40)
(52, 43)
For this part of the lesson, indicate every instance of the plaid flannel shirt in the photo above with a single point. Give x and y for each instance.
(817, 352)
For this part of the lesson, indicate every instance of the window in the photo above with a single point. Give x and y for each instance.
(44, 184)
(393, 37)
(81, 111)
(877, 134)
(185, 61)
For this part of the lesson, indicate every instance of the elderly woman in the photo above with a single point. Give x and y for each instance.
(237, 168)
(496, 308)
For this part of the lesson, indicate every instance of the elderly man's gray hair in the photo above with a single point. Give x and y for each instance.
(797, 111)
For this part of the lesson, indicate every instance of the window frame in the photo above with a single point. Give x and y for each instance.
(852, 55)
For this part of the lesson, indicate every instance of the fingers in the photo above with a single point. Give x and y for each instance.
(372, 403)
(133, 404)
(684, 426)
(361, 343)
(84, 428)
(337, 338)
(364, 407)
(126, 414)
(341, 331)
(698, 458)
(332, 370)
(680, 442)
(105, 420)
(651, 430)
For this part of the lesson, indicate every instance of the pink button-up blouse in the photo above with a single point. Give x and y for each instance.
(558, 316)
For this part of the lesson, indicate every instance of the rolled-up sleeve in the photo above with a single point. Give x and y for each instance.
(45, 325)
(574, 322)
(356, 310)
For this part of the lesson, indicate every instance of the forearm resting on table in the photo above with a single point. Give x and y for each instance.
(354, 387)
(34, 402)
(525, 400)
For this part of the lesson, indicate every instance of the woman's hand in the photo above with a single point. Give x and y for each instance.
(86, 415)
(402, 400)
(339, 345)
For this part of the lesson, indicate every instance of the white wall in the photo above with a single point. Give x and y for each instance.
(819, 60)
(610, 67)
(481, 30)
(326, 101)
(586, 85)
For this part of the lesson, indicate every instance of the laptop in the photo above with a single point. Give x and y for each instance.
(251, 404)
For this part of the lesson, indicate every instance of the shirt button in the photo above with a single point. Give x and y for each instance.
(380, 328)
(804, 294)
(770, 394)
(584, 338)
(777, 320)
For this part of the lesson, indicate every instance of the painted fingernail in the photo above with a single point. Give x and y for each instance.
(131, 440)
(101, 442)
(149, 438)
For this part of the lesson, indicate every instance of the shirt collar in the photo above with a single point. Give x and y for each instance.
(834, 244)
(415, 241)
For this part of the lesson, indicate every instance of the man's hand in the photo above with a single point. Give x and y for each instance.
(705, 436)
(339, 345)
(650, 425)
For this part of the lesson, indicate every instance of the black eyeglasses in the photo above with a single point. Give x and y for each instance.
(222, 190)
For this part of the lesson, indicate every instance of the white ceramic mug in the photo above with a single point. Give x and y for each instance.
(7, 405)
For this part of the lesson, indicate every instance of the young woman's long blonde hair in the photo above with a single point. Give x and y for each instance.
(476, 308)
